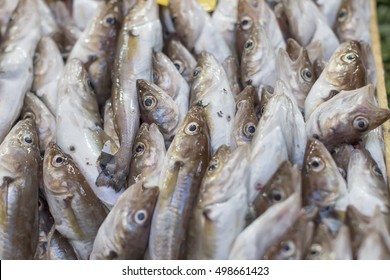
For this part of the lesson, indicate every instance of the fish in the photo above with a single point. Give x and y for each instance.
(232, 70)
(329, 9)
(77, 211)
(264, 94)
(166, 21)
(342, 245)
(181, 58)
(210, 88)
(258, 61)
(373, 248)
(322, 183)
(321, 247)
(124, 233)
(58, 247)
(254, 241)
(48, 68)
(156, 106)
(345, 71)
(196, 29)
(44, 119)
(341, 156)
(184, 166)
(359, 115)
(141, 33)
(148, 156)
(257, 12)
(78, 112)
(96, 47)
(219, 214)
(46, 222)
(19, 170)
(83, 11)
(353, 21)
(49, 25)
(374, 143)
(16, 62)
(245, 120)
(367, 188)
(6, 9)
(108, 124)
(295, 68)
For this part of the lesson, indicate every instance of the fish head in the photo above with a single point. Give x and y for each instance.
(246, 18)
(110, 18)
(321, 247)
(164, 72)
(322, 183)
(345, 19)
(245, 122)
(346, 68)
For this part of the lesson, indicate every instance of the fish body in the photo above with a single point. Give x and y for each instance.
(59, 247)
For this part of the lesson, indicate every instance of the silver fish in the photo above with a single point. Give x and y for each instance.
(58, 247)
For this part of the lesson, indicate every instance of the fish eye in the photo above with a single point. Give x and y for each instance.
(27, 139)
(315, 250)
(277, 195)
(307, 74)
(249, 45)
(249, 129)
(149, 102)
(90, 85)
(288, 248)
(196, 72)
(110, 20)
(179, 66)
(213, 166)
(140, 216)
(139, 149)
(316, 164)
(349, 57)
(377, 171)
(342, 16)
(360, 123)
(246, 23)
(192, 128)
(58, 160)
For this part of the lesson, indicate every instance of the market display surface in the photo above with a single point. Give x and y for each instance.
(142, 130)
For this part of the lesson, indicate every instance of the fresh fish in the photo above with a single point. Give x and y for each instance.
(353, 21)
(341, 156)
(294, 243)
(321, 247)
(329, 9)
(196, 29)
(345, 71)
(148, 156)
(258, 61)
(46, 222)
(19, 164)
(210, 88)
(48, 68)
(158, 107)
(232, 70)
(181, 58)
(296, 70)
(96, 47)
(374, 143)
(109, 125)
(141, 33)
(257, 12)
(219, 214)
(16, 62)
(366, 186)
(49, 25)
(124, 233)
(224, 18)
(77, 211)
(358, 114)
(184, 166)
(83, 11)
(79, 127)
(265, 93)
(44, 119)
(322, 183)
(58, 247)
(254, 241)
(168, 78)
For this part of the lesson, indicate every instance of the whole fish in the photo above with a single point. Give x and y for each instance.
(78, 113)
(210, 88)
(181, 58)
(16, 62)
(124, 233)
(353, 21)
(359, 115)
(322, 183)
(258, 61)
(329, 9)
(219, 214)
(374, 143)
(196, 29)
(345, 71)
(366, 186)
(254, 241)
(184, 165)
(19, 164)
(141, 33)
(58, 247)
(46, 222)
(48, 68)
(77, 211)
(156, 106)
(96, 47)
(148, 156)
(83, 11)
(44, 119)
(295, 68)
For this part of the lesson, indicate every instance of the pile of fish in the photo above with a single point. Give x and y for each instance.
(131, 130)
